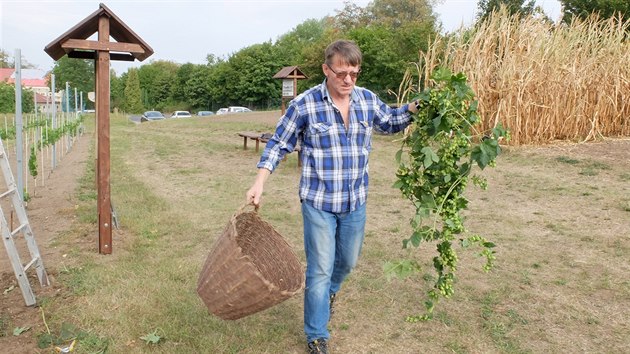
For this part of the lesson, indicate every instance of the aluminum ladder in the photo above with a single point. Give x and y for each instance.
(24, 229)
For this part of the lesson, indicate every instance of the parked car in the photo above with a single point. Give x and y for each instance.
(151, 115)
(181, 114)
(236, 109)
(222, 111)
(205, 113)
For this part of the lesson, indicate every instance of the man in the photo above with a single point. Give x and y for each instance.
(333, 122)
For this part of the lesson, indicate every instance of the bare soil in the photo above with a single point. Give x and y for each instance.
(51, 212)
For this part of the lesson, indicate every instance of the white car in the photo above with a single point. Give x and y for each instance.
(222, 111)
(181, 114)
(236, 109)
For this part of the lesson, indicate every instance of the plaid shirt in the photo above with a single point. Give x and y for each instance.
(334, 159)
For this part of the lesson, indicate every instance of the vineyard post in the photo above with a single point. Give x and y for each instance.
(67, 113)
(53, 156)
(18, 121)
(24, 170)
(76, 108)
(6, 133)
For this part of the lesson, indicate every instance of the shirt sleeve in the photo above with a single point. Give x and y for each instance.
(390, 120)
(283, 140)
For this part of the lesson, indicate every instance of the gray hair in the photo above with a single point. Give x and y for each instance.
(347, 51)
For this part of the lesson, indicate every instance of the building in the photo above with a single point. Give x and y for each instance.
(36, 81)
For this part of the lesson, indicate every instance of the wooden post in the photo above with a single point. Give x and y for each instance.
(76, 44)
(102, 118)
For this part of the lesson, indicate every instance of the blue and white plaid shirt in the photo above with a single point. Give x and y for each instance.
(334, 159)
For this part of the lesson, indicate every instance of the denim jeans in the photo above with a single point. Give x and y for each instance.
(332, 242)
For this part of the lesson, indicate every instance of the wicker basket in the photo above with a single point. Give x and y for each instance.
(250, 268)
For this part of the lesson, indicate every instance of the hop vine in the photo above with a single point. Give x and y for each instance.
(439, 151)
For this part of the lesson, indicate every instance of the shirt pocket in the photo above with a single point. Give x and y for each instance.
(364, 134)
(321, 135)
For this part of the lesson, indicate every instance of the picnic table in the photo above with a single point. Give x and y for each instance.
(257, 137)
(262, 137)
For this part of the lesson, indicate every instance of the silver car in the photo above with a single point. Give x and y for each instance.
(181, 114)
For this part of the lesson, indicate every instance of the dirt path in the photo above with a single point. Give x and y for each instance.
(50, 212)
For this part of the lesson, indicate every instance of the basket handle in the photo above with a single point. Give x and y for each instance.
(242, 208)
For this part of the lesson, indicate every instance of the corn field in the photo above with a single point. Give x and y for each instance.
(542, 81)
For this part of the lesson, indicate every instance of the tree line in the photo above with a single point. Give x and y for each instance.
(391, 34)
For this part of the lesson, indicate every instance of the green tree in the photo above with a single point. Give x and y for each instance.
(390, 34)
(78, 72)
(156, 81)
(521, 7)
(304, 46)
(254, 67)
(133, 103)
(7, 99)
(196, 88)
(220, 83)
(605, 9)
(117, 90)
(5, 59)
(178, 89)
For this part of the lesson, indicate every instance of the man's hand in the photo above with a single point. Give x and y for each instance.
(254, 194)
(414, 107)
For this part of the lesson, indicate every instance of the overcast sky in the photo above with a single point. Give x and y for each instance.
(187, 30)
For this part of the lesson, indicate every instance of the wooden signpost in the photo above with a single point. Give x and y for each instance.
(128, 47)
(289, 75)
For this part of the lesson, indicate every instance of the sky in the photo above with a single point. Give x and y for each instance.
(186, 31)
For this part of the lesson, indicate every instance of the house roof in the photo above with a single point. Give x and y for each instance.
(118, 30)
(8, 75)
(5, 74)
(40, 98)
(33, 82)
(290, 72)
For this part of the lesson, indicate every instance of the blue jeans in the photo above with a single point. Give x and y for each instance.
(332, 242)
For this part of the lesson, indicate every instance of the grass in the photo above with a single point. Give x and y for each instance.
(175, 183)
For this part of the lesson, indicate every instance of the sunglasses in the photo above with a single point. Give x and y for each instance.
(342, 74)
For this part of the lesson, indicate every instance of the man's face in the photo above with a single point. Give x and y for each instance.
(341, 77)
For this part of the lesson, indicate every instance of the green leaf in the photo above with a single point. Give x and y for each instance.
(441, 74)
(401, 269)
(151, 338)
(19, 330)
(489, 245)
(429, 156)
(415, 239)
(427, 201)
(399, 155)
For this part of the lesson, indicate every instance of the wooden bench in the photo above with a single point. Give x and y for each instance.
(258, 138)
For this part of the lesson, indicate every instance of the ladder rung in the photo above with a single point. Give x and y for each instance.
(26, 267)
(18, 229)
(7, 193)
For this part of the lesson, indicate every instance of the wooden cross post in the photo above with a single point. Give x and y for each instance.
(104, 205)
(75, 44)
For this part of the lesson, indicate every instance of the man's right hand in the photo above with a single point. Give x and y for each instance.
(254, 194)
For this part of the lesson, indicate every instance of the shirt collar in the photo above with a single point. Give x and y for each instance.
(354, 96)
